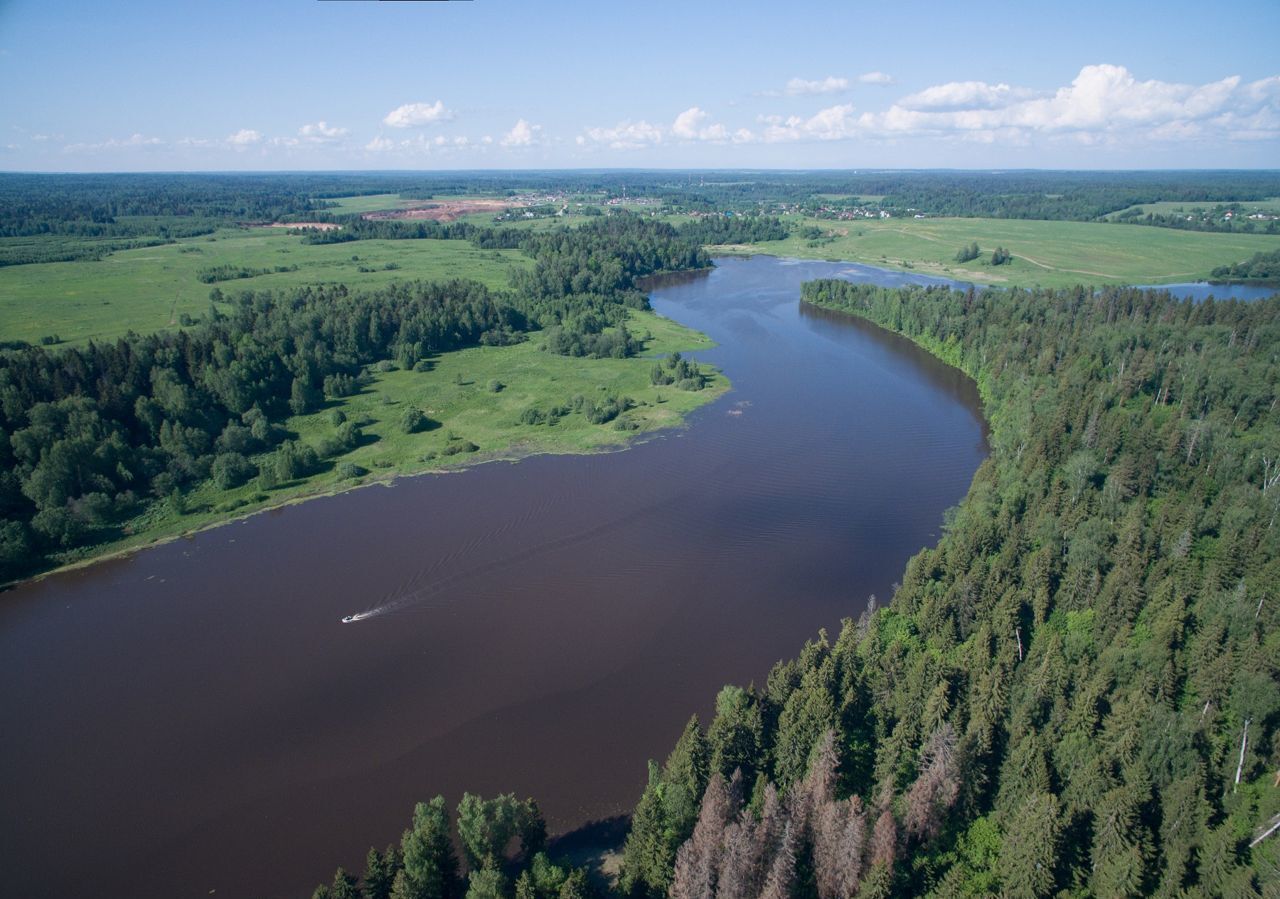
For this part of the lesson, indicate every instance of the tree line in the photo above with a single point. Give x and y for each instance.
(425, 865)
(1260, 268)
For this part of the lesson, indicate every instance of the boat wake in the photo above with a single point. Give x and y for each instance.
(359, 616)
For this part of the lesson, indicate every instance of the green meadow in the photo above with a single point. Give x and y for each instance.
(1045, 253)
(152, 288)
(1174, 207)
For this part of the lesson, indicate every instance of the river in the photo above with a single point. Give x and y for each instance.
(195, 718)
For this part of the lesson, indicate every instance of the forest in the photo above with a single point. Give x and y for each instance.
(91, 435)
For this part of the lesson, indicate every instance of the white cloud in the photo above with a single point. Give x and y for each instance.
(486, 140)
(522, 134)
(832, 123)
(322, 132)
(626, 135)
(134, 141)
(688, 126)
(957, 95)
(380, 144)
(415, 115)
(1102, 101)
(879, 78)
(797, 87)
(245, 137)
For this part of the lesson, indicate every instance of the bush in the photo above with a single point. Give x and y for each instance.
(293, 460)
(496, 386)
(230, 470)
(348, 470)
(413, 421)
(340, 385)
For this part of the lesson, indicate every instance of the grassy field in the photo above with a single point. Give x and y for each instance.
(457, 394)
(1172, 207)
(152, 288)
(1050, 254)
(370, 203)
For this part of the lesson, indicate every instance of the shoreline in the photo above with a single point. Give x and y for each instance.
(513, 451)
(387, 481)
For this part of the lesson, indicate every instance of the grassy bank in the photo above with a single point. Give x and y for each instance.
(1048, 254)
(474, 400)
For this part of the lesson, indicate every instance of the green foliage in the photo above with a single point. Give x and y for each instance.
(487, 826)
(430, 869)
(665, 815)
(1261, 268)
(487, 883)
(380, 872)
(413, 420)
(969, 253)
(230, 470)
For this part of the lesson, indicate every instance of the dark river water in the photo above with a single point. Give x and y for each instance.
(195, 718)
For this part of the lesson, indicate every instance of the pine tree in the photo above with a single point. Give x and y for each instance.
(1030, 846)
(430, 866)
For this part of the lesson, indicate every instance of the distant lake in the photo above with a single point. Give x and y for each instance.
(195, 717)
(1202, 290)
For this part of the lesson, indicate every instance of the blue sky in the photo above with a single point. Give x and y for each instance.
(307, 84)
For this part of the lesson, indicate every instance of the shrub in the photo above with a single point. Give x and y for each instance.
(413, 421)
(230, 470)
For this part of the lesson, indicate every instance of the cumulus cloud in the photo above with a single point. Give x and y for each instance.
(522, 134)
(689, 126)
(1103, 101)
(965, 95)
(626, 135)
(245, 137)
(380, 144)
(879, 78)
(832, 123)
(416, 115)
(322, 132)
